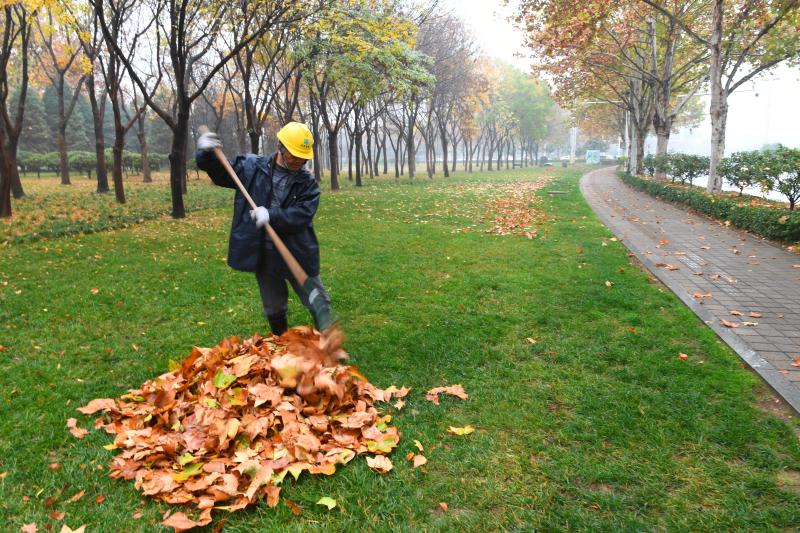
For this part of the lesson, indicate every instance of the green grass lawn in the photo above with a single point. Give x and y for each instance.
(598, 425)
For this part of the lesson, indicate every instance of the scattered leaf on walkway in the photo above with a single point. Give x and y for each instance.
(667, 266)
(715, 277)
(735, 312)
(702, 294)
(380, 464)
(796, 361)
(705, 247)
(466, 430)
(328, 502)
(453, 390)
(662, 242)
(728, 324)
(746, 323)
(754, 314)
(682, 356)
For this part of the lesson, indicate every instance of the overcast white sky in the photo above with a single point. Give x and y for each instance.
(767, 111)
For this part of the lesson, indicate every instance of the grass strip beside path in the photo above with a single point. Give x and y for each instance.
(597, 425)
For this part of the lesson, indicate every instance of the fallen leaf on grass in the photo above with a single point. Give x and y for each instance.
(443, 506)
(66, 529)
(531, 340)
(57, 515)
(579, 250)
(466, 430)
(95, 290)
(380, 464)
(29, 528)
(328, 502)
(419, 460)
(77, 432)
(682, 356)
(54, 466)
(293, 506)
(728, 324)
(77, 496)
(609, 283)
(180, 522)
(98, 404)
(399, 404)
(100, 499)
(453, 390)
(418, 444)
(632, 330)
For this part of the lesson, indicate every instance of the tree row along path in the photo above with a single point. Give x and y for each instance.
(746, 289)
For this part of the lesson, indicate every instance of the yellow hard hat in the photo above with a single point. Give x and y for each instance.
(297, 138)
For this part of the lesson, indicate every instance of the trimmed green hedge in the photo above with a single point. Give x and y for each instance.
(772, 223)
(85, 162)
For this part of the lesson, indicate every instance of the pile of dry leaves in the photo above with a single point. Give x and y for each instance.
(515, 211)
(224, 428)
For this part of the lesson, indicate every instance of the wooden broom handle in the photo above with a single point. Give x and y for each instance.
(297, 271)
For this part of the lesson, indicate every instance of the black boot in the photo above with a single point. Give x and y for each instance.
(277, 324)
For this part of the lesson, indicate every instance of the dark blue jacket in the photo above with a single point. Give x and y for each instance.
(292, 221)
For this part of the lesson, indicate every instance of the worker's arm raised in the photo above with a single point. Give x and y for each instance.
(208, 161)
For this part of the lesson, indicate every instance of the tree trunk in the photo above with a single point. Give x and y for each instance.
(99, 139)
(357, 142)
(412, 153)
(6, 165)
(116, 167)
(445, 157)
(719, 100)
(62, 153)
(334, 150)
(143, 150)
(177, 164)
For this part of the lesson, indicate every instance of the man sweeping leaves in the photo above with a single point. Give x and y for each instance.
(287, 198)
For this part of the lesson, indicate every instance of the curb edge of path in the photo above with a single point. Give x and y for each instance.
(777, 381)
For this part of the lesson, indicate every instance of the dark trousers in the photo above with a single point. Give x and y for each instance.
(275, 293)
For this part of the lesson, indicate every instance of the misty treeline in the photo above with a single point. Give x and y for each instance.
(387, 87)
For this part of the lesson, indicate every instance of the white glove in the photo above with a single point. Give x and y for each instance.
(260, 215)
(208, 141)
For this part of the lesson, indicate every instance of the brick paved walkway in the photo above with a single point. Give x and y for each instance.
(742, 274)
